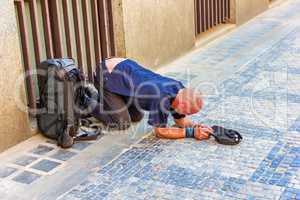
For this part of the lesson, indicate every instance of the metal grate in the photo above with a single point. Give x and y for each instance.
(79, 29)
(210, 13)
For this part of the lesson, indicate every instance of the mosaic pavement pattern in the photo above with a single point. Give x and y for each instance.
(42, 160)
(260, 97)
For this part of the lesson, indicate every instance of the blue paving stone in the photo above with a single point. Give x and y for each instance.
(290, 194)
(296, 125)
(293, 70)
(7, 171)
(233, 184)
(283, 156)
(76, 193)
(25, 160)
(26, 177)
(295, 150)
(177, 176)
(63, 155)
(293, 98)
(121, 167)
(296, 162)
(251, 198)
(88, 188)
(42, 150)
(46, 165)
(276, 162)
(275, 179)
(283, 182)
(81, 145)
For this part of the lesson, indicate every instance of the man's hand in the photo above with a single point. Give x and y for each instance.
(203, 132)
(203, 126)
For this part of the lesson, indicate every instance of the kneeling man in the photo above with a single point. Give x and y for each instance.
(126, 89)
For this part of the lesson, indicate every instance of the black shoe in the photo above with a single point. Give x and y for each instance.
(88, 135)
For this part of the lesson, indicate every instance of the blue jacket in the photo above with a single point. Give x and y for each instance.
(151, 91)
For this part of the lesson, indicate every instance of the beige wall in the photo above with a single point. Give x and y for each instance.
(117, 7)
(244, 10)
(156, 31)
(13, 122)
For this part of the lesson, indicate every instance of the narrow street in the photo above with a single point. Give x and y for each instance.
(250, 80)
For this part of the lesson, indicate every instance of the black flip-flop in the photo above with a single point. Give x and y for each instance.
(226, 136)
(88, 135)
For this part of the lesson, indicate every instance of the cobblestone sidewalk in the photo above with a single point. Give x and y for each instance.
(251, 82)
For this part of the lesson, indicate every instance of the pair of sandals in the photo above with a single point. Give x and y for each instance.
(88, 131)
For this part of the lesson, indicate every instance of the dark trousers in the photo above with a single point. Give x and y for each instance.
(116, 112)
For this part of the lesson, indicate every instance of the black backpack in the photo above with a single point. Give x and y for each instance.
(56, 115)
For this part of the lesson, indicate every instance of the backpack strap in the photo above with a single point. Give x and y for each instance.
(67, 64)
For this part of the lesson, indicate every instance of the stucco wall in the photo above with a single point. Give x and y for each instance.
(244, 10)
(14, 126)
(156, 31)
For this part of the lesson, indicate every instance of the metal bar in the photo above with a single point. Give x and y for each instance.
(200, 16)
(87, 39)
(111, 28)
(105, 46)
(219, 11)
(47, 29)
(223, 11)
(207, 13)
(215, 13)
(203, 15)
(35, 31)
(56, 28)
(200, 25)
(229, 15)
(96, 31)
(199, 11)
(226, 9)
(196, 17)
(211, 13)
(65, 4)
(77, 33)
(26, 54)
